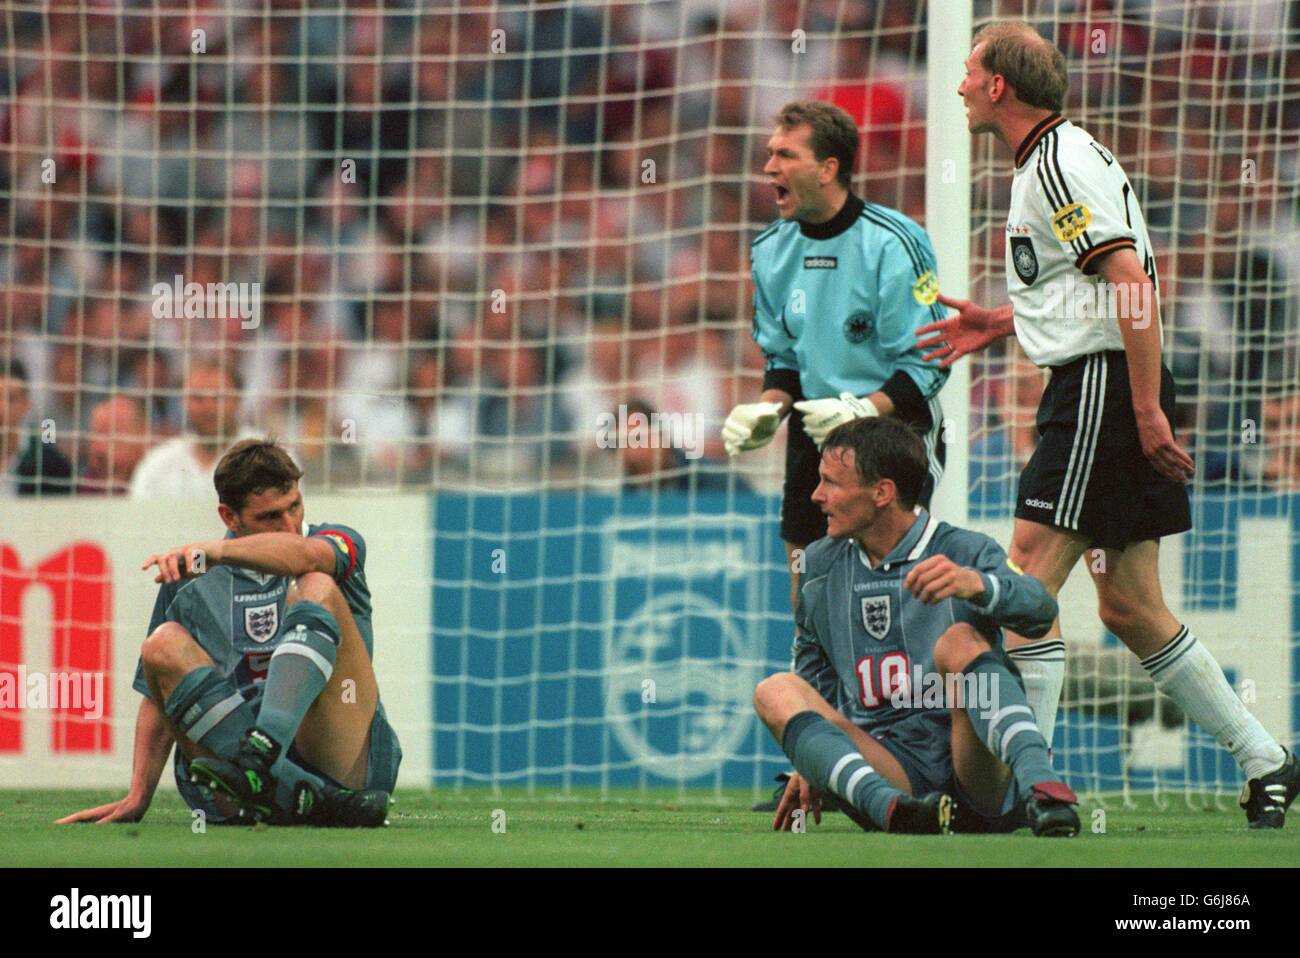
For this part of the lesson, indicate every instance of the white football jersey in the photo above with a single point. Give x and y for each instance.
(1070, 203)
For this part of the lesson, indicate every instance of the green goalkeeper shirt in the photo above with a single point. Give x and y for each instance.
(837, 304)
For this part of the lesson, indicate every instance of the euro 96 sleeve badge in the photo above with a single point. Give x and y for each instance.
(926, 289)
(338, 540)
(1070, 222)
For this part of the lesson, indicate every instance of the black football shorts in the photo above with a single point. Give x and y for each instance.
(1088, 473)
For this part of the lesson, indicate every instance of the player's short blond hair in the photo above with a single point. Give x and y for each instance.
(1031, 64)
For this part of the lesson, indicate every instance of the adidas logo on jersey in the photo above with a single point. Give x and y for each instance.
(820, 262)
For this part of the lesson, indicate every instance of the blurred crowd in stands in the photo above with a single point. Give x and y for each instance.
(474, 231)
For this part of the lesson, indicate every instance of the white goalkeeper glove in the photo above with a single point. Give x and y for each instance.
(750, 426)
(820, 416)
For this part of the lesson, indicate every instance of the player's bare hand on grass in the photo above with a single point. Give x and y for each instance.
(938, 578)
(948, 340)
(179, 563)
(128, 809)
(1160, 448)
(798, 795)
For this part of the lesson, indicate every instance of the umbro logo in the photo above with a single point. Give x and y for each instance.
(821, 262)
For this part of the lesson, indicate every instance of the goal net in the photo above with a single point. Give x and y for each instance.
(492, 259)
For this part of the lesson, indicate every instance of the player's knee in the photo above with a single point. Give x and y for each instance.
(318, 587)
(1024, 545)
(1120, 612)
(164, 650)
(770, 693)
(958, 646)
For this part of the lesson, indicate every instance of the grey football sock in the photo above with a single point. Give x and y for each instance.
(829, 760)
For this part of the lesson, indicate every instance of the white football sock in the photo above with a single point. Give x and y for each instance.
(1042, 666)
(1185, 671)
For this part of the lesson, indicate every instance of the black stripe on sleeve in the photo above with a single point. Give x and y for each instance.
(1065, 187)
(1054, 200)
(886, 218)
(917, 264)
(921, 262)
(1087, 263)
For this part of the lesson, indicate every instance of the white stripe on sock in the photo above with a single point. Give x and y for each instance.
(1007, 710)
(1011, 733)
(1002, 713)
(856, 777)
(844, 762)
(208, 721)
(297, 648)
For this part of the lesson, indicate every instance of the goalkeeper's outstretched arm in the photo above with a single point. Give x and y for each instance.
(153, 744)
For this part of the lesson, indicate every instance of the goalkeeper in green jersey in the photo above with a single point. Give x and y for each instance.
(840, 286)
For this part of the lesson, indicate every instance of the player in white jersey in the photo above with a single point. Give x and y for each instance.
(1107, 473)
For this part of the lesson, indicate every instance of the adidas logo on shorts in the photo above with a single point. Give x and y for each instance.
(1039, 504)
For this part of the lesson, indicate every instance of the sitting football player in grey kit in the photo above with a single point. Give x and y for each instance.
(901, 701)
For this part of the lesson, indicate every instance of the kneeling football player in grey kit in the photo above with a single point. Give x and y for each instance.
(901, 701)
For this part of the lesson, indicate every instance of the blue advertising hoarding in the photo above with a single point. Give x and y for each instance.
(615, 640)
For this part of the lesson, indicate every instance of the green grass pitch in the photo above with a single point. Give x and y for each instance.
(656, 829)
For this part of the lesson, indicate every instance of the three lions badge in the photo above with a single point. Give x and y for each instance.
(261, 622)
(875, 616)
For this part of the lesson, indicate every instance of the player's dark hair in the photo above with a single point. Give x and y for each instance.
(636, 405)
(884, 448)
(833, 132)
(252, 466)
(1031, 64)
(12, 367)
